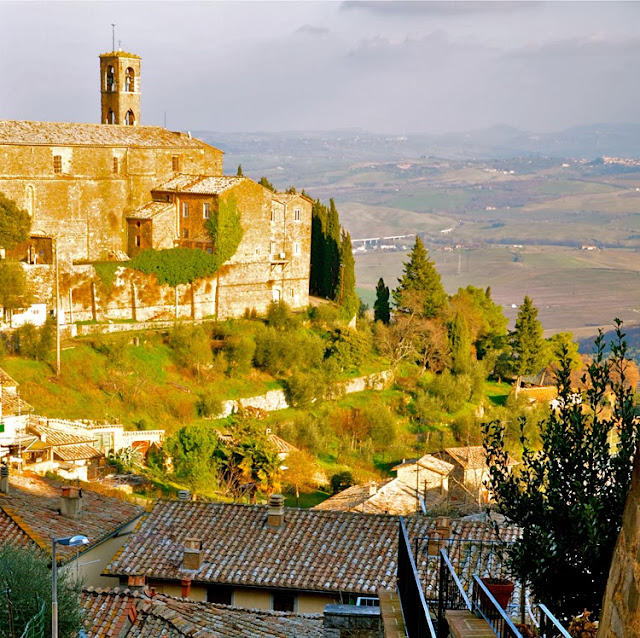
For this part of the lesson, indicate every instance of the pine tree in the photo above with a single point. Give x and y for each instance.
(459, 344)
(240, 173)
(529, 349)
(420, 288)
(381, 308)
(263, 181)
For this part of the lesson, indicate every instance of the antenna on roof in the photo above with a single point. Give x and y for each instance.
(113, 36)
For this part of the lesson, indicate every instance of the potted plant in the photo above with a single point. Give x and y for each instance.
(500, 588)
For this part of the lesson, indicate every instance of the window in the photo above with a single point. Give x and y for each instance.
(185, 233)
(220, 594)
(110, 80)
(258, 250)
(206, 210)
(272, 249)
(57, 163)
(129, 80)
(138, 241)
(111, 117)
(291, 293)
(273, 215)
(130, 118)
(116, 167)
(175, 163)
(296, 214)
(185, 209)
(210, 249)
(1, 427)
(296, 248)
(283, 601)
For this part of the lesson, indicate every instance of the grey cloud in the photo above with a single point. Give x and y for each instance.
(453, 7)
(309, 29)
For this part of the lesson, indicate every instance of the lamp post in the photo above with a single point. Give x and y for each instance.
(70, 541)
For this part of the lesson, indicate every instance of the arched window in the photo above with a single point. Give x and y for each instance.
(130, 119)
(129, 83)
(110, 79)
(30, 196)
(111, 117)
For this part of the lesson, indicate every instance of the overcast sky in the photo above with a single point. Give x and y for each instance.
(382, 66)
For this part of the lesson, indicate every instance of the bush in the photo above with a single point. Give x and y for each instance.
(452, 390)
(341, 481)
(34, 343)
(349, 348)
(191, 346)
(382, 424)
(303, 388)
(279, 315)
(324, 314)
(239, 350)
(209, 403)
(280, 352)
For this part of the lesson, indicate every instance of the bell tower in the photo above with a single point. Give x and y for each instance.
(120, 88)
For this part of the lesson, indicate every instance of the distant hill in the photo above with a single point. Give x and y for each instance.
(301, 153)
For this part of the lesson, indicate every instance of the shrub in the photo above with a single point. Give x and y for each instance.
(279, 315)
(349, 348)
(209, 403)
(341, 481)
(191, 346)
(303, 388)
(239, 350)
(452, 390)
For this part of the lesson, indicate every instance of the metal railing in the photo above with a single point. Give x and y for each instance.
(487, 606)
(548, 625)
(417, 619)
(35, 627)
(451, 594)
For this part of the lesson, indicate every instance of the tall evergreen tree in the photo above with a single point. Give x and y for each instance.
(263, 181)
(529, 349)
(381, 308)
(240, 173)
(420, 288)
(348, 297)
(332, 252)
(459, 344)
(318, 240)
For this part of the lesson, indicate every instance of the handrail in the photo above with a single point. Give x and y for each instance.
(463, 594)
(494, 614)
(547, 617)
(417, 619)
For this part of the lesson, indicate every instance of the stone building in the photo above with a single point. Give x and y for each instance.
(106, 191)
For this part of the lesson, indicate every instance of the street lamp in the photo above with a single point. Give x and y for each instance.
(70, 541)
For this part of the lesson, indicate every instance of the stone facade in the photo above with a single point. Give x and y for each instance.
(621, 607)
(100, 192)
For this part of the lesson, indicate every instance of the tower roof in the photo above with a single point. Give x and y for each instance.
(120, 54)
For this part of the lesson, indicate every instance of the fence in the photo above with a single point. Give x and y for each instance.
(35, 626)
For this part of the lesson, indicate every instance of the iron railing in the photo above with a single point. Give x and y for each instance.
(547, 625)
(417, 619)
(486, 605)
(451, 594)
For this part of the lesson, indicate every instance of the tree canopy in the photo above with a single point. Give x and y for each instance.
(15, 223)
(25, 572)
(422, 281)
(569, 496)
(14, 291)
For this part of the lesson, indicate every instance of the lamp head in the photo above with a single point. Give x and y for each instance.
(72, 541)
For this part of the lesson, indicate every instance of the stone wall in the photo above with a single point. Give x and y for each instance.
(352, 621)
(620, 616)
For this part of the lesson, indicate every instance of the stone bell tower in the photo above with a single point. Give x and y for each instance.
(120, 88)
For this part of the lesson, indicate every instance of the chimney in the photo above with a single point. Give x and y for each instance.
(136, 582)
(186, 587)
(4, 478)
(71, 502)
(275, 513)
(373, 488)
(443, 527)
(192, 557)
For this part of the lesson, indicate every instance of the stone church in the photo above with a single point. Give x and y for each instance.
(102, 192)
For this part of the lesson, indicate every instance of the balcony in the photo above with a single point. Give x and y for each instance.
(459, 604)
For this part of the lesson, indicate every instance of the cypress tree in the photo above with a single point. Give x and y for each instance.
(381, 308)
(459, 344)
(332, 254)
(318, 249)
(348, 297)
(420, 287)
(240, 173)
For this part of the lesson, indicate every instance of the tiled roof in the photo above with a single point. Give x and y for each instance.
(33, 504)
(107, 612)
(52, 437)
(391, 497)
(70, 134)
(313, 551)
(150, 210)
(119, 54)
(198, 185)
(429, 462)
(283, 447)
(286, 198)
(6, 380)
(77, 452)
(468, 457)
(10, 533)
(12, 404)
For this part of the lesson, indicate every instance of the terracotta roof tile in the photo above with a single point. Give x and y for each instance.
(198, 185)
(12, 404)
(313, 550)
(107, 611)
(77, 452)
(72, 134)
(150, 210)
(52, 437)
(33, 505)
(6, 380)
